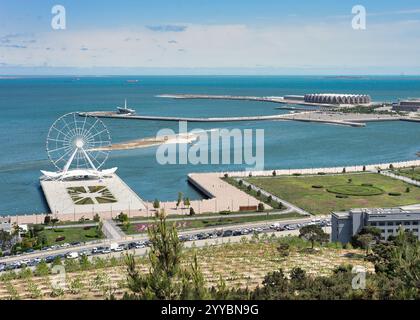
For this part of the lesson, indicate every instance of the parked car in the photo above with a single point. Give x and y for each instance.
(106, 250)
(72, 255)
(227, 233)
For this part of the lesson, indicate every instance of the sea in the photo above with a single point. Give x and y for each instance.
(29, 106)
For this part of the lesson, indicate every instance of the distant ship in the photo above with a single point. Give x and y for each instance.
(125, 109)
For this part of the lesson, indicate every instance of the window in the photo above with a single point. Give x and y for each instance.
(407, 223)
(415, 223)
(381, 223)
(390, 223)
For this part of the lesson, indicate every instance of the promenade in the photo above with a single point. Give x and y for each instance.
(220, 194)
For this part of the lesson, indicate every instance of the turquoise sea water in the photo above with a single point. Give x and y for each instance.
(29, 106)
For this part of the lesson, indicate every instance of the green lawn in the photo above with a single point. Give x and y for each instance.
(311, 192)
(71, 235)
(223, 221)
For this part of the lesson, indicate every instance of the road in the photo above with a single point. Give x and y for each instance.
(141, 237)
(195, 244)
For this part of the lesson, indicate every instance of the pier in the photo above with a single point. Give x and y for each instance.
(273, 99)
(353, 120)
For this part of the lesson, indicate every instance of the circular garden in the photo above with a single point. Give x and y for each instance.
(355, 190)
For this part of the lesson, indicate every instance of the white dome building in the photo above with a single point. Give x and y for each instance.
(337, 98)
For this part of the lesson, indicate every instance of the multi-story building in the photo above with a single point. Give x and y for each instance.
(344, 225)
(407, 105)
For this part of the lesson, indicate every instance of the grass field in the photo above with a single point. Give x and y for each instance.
(71, 235)
(311, 192)
(215, 222)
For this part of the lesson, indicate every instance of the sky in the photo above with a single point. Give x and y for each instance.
(263, 37)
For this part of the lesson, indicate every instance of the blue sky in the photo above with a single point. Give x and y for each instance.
(210, 36)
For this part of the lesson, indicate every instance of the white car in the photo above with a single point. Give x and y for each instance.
(72, 255)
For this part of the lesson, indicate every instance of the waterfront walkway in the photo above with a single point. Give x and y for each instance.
(221, 195)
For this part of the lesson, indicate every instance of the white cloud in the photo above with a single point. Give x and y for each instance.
(226, 46)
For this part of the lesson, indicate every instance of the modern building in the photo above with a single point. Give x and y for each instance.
(412, 105)
(337, 98)
(5, 225)
(344, 225)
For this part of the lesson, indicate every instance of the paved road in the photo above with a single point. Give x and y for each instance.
(402, 178)
(291, 207)
(197, 243)
(140, 237)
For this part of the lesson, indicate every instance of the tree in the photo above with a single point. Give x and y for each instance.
(366, 237)
(274, 173)
(269, 199)
(98, 229)
(344, 170)
(178, 202)
(259, 193)
(261, 207)
(47, 219)
(240, 183)
(122, 217)
(164, 280)
(96, 218)
(249, 188)
(364, 168)
(192, 212)
(365, 241)
(156, 204)
(313, 233)
(187, 202)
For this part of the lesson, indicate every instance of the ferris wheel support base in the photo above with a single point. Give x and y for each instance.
(78, 174)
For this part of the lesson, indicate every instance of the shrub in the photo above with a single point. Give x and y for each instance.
(367, 185)
(259, 193)
(224, 212)
(407, 190)
(249, 188)
(344, 170)
(317, 186)
(394, 194)
(240, 183)
(321, 173)
(260, 207)
(364, 168)
(192, 212)
(296, 174)
(341, 196)
(274, 173)
(61, 238)
(226, 175)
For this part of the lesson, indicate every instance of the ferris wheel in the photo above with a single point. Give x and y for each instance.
(78, 144)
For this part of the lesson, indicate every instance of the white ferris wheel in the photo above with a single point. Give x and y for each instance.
(78, 147)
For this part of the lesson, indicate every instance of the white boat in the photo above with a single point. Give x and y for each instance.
(125, 109)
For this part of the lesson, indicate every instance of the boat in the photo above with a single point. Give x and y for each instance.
(125, 109)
